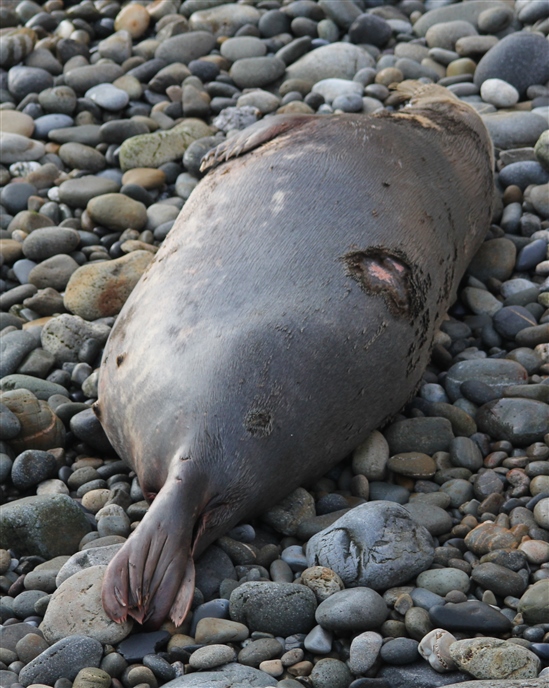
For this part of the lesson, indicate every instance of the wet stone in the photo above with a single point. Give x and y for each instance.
(473, 616)
(520, 421)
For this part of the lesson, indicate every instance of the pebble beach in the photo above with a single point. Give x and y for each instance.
(421, 560)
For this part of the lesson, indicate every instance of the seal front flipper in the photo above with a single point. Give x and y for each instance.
(252, 137)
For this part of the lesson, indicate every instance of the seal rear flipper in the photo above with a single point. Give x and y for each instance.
(154, 569)
(182, 604)
(252, 137)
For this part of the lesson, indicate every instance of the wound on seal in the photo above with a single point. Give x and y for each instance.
(381, 272)
(259, 422)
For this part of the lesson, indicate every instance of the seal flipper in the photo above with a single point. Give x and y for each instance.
(182, 604)
(153, 573)
(252, 137)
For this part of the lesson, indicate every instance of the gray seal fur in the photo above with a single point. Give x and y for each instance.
(290, 311)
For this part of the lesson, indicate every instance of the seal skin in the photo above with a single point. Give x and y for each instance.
(290, 311)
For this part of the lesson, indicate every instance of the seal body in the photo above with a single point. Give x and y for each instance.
(290, 311)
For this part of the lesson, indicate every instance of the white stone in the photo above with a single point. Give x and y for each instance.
(434, 647)
(17, 148)
(108, 97)
(499, 93)
(330, 89)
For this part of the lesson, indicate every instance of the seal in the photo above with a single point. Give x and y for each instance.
(290, 311)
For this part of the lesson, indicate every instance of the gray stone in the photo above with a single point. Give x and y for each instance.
(442, 581)
(64, 659)
(185, 47)
(32, 467)
(46, 525)
(495, 258)
(9, 423)
(520, 421)
(364, 651)
(97, 556)
(319, 641)
(471, 616)
(58, 100)
(87, 134)
(330, 673)
(469, 11)
(241, 47)
(64, 335)
(342, 12)
(497, 373)
(228, 676)
(436, 520)
(212, 656)
(43, 125)
(420, 674)
(499, 579)
(78, 192)
(286, 516)
(352, 611)
(370, 458)
(375, 545)
(425, 435)
(53, 272)
(79, 156)
(14, 346)
(256, 72)
(23, 80)
(521, 59)
(538, 197)
(338, 60)
(49, 241)
(277, 608)
(534, 603)
(445, 34)
(223, 20)
(17, 148)
(75, 608)
(82, 79)
(464, 453)
(514, 129)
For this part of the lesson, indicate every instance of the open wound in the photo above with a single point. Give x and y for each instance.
(379, 271)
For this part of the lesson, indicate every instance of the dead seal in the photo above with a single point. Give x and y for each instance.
(290, 311)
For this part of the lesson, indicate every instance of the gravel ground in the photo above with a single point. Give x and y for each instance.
(442, 575)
